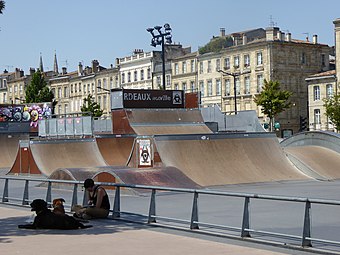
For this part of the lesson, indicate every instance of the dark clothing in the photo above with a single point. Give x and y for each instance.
(105, 202)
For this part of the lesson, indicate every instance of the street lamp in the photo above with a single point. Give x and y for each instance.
(234, 75)
(103, 89)
(158, 39)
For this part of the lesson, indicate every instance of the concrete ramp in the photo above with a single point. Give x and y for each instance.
(9, 144)
(50, 155)
(166, 177)
(227, 159)
(166, 121)
(316, 161)
(115, 150)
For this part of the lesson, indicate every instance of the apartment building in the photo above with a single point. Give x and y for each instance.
(16, 85)
(4, 77)
(323, 85)
(254, 56)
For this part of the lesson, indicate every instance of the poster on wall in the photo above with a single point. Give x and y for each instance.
(144, 146)
(25, 113)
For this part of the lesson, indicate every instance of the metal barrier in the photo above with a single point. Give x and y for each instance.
(245, 231)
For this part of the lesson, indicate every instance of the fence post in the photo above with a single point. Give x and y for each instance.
(25, 196)
(306, 226)
(245, 220)
(74, 195)
(116, 204)
(194, 213)
(85, 197)
(5, 194)
(48, 194)
(152, 209)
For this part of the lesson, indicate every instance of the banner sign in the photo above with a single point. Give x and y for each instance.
(144, 152)
(147, 98)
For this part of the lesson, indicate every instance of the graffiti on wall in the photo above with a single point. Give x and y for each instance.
(28, 112)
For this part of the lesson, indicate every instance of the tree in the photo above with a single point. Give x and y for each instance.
(2, 6)
(37, 91)
(216, 45)
(273, 100)
(89, 105)
(332, 105)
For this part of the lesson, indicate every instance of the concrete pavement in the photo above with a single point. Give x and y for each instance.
(109, 237)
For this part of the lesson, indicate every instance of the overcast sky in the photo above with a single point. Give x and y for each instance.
(83, 30)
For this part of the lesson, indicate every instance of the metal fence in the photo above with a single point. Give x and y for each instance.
(192, 221)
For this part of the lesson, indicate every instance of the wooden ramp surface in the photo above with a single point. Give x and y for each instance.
(213, 160)
(323, 161)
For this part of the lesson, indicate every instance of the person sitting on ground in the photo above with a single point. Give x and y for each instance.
(98, 204)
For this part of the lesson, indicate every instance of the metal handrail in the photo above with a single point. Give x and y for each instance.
(245, 230)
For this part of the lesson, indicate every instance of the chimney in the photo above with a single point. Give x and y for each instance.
(222, 31)
(95, 65)
(279, 35)
(245, 39)
(64, 70)
(288, 37)
(315, 39)
(80, 69)
(32, 71)
(271, 33)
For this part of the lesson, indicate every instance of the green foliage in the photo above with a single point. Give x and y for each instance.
(332, 105)
(90, 106)
(272, 99)
(216, 45)
(2, 6)
(37, 91)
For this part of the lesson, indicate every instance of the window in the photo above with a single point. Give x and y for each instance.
(100, 100)
(123, 77)
(158, 81)
(99, 82)
(135, 75)
(129, 77)
(71, 88)
(88, 88)
(142, 75)
(227, 63)
(168, 80)
(21, 87)
(15, 88)
(4, 99)
(176, 68)
(104, 101)
(176, 86)
(149, 73)
(209, 83)
(259, 82)
(236, 61)
(246, 60)
(218, 64)
(65, 92)
(10, 89)
(104, 83)
(329, 90)
(238, 85)
(323, 60)
(184, 67)
(227, 87)
(79, 87)
(192, 86)
(209, 66)
(59, 109)
(65, 108)
(303, 58)
(192, 66)
(84, 89)
(218, 87)
(247, 85)
(259, 58)
(92, 86)
(316, 93)
(202, 88)
(59, 93)
(184, 86)
(317, 119)
(111, 83)
(201, 67)
(75, 88)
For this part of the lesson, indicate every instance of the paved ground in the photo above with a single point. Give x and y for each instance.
(106, 237)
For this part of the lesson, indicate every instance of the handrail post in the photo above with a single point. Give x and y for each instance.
(245, 220)
(48, 193)
(75, 195)
(5, 194)
(152, 209)
(25, 196)
(306, 226)
(194, 213)
(116, 204)
(85, 197)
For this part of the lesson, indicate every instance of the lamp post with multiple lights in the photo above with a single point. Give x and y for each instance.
(160, 39)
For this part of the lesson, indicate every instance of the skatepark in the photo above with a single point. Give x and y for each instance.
(175, 150)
